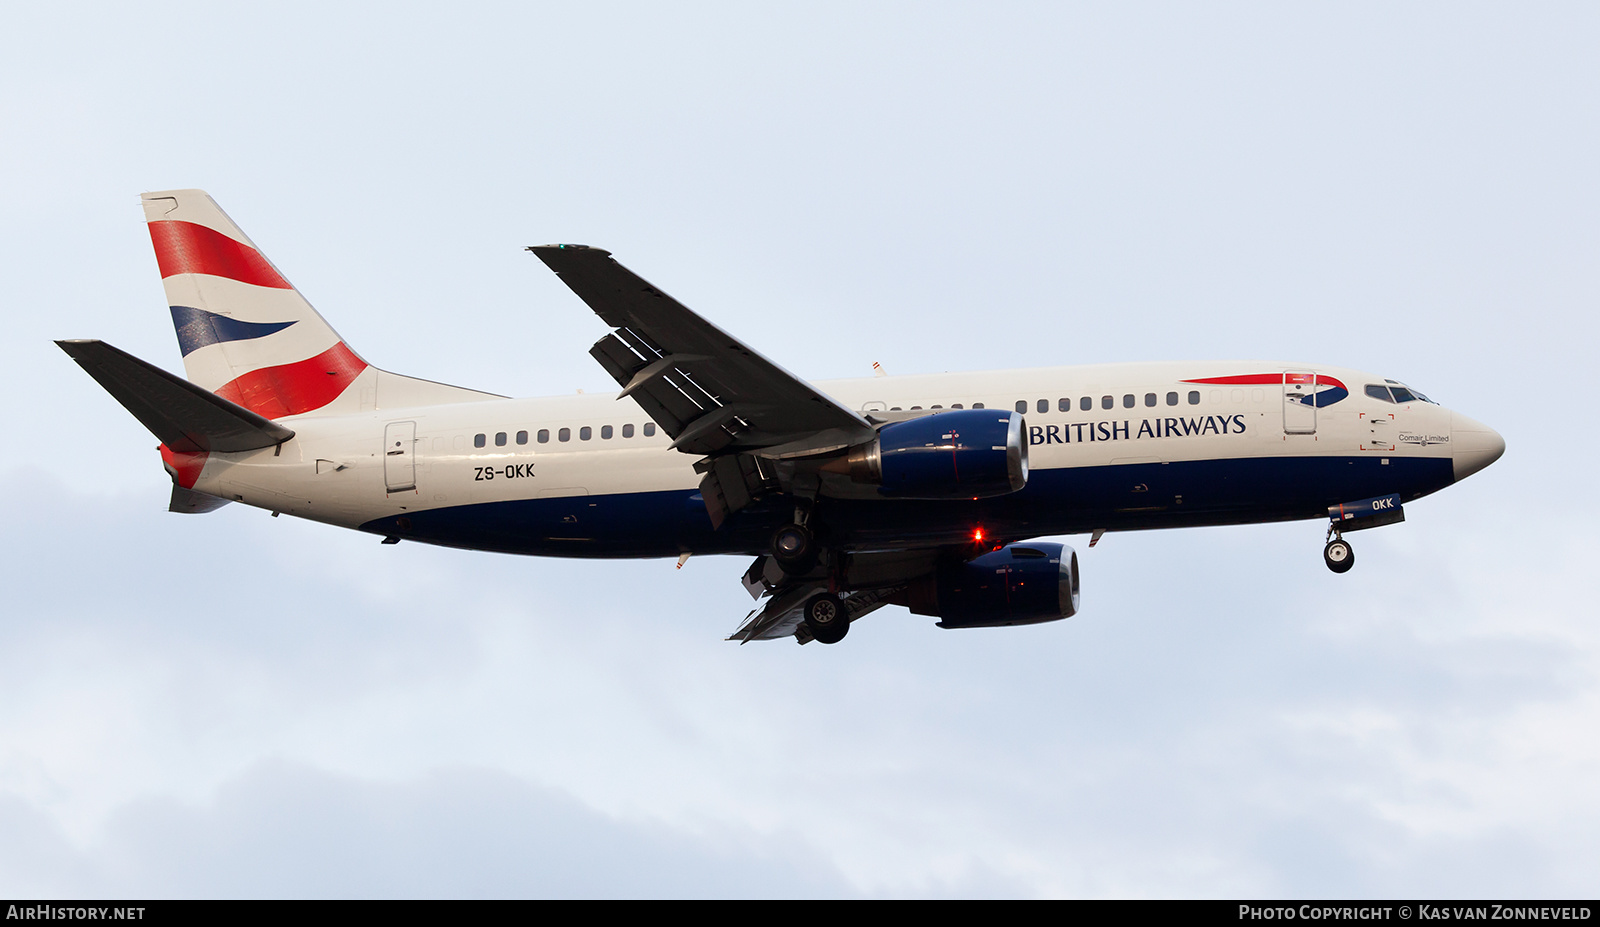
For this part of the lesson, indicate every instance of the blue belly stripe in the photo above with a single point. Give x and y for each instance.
(1068, 500)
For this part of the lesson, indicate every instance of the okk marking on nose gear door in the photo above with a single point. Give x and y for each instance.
(399, 457)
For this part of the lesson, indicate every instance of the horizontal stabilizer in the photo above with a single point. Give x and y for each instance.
(189, 502)
(184, 416)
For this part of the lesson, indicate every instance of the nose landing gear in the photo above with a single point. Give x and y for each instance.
(1357, 516)
(1338, 554)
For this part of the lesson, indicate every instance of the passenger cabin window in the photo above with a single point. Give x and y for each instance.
(649, 429)
(977, 405)
(1086, 403)
(936, 407)
(956, 405)
(585, 433)
(564, 434)
(499, 439)
(1149, 399)
(522, 437)
(627, 431)
(1127, 400)
(1044, 406)
(605, 432)
(1107, 402)
(1172, 399)
(1022, 405)
(1194, 397)
(544, 436)
(480, 440)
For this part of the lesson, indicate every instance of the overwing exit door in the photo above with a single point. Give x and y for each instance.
(399, 456)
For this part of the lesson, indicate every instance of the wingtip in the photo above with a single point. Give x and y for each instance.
(74, 346)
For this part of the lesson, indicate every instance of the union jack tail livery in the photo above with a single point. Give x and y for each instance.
(248, 335)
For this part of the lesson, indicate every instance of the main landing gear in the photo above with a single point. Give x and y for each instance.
(796, 551)
(1338, 554)
(826, 618)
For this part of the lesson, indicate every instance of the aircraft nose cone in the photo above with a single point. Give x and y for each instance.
(1473, 445)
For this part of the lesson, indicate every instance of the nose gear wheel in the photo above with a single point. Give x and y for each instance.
(1339, 555)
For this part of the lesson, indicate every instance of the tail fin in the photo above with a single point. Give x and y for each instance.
(249, 336)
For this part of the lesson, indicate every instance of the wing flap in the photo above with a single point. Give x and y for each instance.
(187, 418)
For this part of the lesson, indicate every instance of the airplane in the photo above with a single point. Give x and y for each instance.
(928, 492)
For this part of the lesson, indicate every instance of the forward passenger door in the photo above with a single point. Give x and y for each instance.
(1299, 402)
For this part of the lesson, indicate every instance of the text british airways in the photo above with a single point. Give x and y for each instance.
(1081, 432)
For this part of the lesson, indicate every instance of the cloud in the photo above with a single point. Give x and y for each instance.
(284, 830)
(241, 705)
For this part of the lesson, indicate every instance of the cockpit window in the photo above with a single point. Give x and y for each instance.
(1402, 393)
(1379, 392)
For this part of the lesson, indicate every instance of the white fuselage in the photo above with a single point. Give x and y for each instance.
(593, 447)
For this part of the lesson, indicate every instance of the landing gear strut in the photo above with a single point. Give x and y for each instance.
(1338, 554)
(826, 618)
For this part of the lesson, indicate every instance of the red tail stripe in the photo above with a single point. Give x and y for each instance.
(187, 248)
(291, 389)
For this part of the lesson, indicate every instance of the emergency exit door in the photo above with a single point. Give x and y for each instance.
(399, 456)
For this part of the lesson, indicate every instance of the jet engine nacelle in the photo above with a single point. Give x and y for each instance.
(1023, 583)
(959, 454)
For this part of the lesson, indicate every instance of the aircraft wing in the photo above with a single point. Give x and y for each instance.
(710, 392)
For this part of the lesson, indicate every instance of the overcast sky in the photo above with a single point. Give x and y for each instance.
(236, 705)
